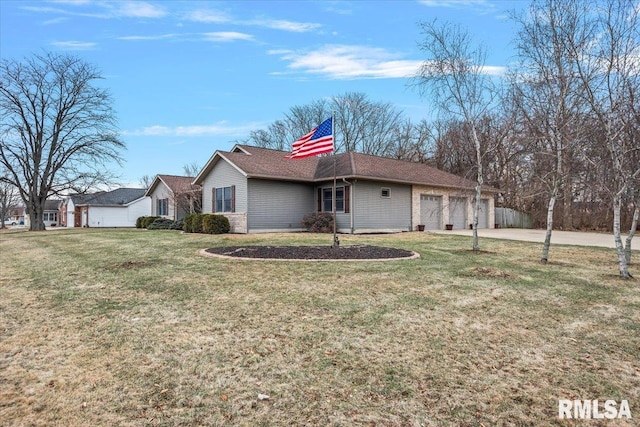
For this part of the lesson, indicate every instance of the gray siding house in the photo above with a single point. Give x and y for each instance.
(173, 196)
(260, 190)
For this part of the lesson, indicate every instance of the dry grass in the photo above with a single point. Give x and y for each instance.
(133, 328)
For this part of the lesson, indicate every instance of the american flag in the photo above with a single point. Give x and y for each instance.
(318, 141)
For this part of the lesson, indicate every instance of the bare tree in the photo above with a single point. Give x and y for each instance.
(453, 74)
(145, 181)
(548, 93)
(191, 169)
(360, 125)
(609, 68)
(9, 199)
(57, 128)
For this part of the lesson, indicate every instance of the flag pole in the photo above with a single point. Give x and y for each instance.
(336, 241)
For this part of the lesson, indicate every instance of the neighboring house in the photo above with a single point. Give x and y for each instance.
(50, 215)
(174, 197)
(259, 190)
(16, 215)
(117, 208)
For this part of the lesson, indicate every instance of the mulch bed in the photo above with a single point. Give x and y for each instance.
(311, 252)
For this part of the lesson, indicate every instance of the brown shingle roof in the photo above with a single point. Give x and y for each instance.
(257, 162)
(177, 184)
(268, 163)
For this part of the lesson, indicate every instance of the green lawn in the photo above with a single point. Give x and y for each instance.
(134, 327)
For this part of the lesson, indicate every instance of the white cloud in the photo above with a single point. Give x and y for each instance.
(343, 62)
(479, 6)
(280, 24)
(103, 10)
(216, 129)
(226, 36)
(139, 9)
(74, 45)
(217, 17)
(208, 15)
(155, 37)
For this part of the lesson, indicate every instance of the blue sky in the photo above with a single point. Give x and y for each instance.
(192, 77)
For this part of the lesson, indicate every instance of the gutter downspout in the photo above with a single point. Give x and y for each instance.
(350, 204)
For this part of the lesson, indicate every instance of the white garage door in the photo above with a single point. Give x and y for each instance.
(483, 214)
(430, 211)
(458, 212)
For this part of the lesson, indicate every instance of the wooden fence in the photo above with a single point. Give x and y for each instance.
(509, 218)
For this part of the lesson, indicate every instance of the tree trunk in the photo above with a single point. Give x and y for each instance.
(479, 181)
(567, 204)
(632, 232)
(622, 259)
(36, 214)
(547, 239)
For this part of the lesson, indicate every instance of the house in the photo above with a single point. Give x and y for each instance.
(16, 216)
(260, 190)
(50, 214)
(117, 208)
(174, 196)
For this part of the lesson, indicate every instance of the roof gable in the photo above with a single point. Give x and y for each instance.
(175, 183)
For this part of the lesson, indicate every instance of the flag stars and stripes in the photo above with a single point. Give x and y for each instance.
(318, 141)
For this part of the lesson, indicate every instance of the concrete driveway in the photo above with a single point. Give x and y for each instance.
(557, 237)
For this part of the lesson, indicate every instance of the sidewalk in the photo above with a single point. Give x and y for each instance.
(558, 237)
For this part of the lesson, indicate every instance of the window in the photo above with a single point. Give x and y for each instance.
(162, 207)
(224, 199)
(342, 199)
(50, 216)
(385, 192)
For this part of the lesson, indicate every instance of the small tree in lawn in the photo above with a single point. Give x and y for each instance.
(455, 76)
(8, 200)
(609, 68)
(57, 129)
(549, 94)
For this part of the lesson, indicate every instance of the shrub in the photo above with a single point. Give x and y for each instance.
(162, 224)
(192, 223)
(144, 221)
(215, 224)
(187, 223)
(318, 222)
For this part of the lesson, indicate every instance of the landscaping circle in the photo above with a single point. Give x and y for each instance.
(312, 253)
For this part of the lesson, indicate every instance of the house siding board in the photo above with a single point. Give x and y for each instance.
(278, 205)
(159, 193)
(371, 211)
(224, 175)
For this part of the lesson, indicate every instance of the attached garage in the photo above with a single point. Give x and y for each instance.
(483, 214)
(430, 211)
(458, 212)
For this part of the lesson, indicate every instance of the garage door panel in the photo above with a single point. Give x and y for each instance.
(458, 212)
(430, 211)
(483, 214)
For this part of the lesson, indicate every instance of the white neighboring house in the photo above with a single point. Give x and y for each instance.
(50, 215)
(117, 208)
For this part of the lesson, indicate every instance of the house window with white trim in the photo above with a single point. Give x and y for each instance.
(50, 216)
(162, 207)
